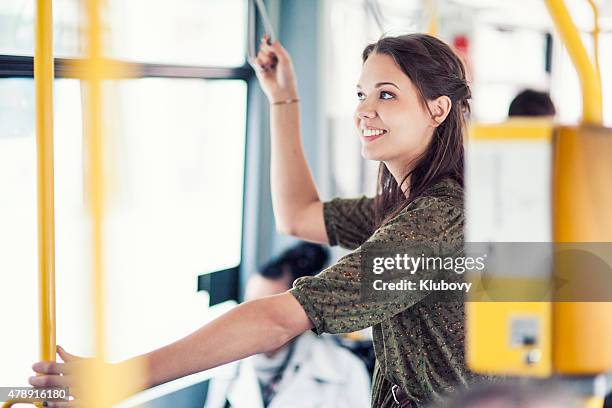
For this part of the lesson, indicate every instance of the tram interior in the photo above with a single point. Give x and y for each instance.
(188, 214)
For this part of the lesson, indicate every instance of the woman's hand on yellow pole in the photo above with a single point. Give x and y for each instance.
(53, 374)
(124, 378)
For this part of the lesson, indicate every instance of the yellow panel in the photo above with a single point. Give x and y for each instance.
(489, 348)
(506, 288)
(582, 203)
(513, 129)
(582, 191)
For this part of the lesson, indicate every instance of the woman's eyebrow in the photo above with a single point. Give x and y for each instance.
(379, 84)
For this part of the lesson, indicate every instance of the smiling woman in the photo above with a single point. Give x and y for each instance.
(424, 115)
(413, 96)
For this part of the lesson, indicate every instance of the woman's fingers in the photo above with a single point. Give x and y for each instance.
(61, 404)
(52, 374)
(279, 52)
(258, 65)
(50, 381)
(50, 367)
(274, 52)
(274, 70)
(266, 48)
(65, 356)
(265, 57)
(271, 60)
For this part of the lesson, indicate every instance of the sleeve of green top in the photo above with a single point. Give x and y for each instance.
(333, 299)
(348, 222)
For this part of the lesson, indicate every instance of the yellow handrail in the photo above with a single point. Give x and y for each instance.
(43, 82)
(595, 36)
(587, 73)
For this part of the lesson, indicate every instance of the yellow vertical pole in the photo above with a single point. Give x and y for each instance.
(98, 393)
(101, 389)
(95, 393)
(432, 25)
(93, 136)
(43, 84)
(589, 80)
(104, 383)
(581, 345)
(43, 81)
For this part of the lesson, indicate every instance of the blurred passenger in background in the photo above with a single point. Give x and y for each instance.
(532, 103)
(309, 371)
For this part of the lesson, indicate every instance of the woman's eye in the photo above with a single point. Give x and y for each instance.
(360, 96)
(386, 95)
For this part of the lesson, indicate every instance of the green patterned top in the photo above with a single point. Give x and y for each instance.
(418, 338)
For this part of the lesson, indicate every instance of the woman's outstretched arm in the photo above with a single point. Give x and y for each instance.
(253, 327)
(298, 211)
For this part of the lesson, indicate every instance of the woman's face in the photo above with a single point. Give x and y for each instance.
(393, 125)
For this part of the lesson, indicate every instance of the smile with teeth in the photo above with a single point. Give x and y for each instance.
(373, 132)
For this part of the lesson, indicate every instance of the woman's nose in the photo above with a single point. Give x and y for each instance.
(366, 113)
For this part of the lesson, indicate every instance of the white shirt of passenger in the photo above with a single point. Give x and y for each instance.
(319, 374)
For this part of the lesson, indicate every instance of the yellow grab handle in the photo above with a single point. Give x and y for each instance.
(596, 31)
(587, 72)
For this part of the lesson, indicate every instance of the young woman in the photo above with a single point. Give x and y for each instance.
(411, 100)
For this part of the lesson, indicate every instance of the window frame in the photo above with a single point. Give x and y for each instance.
(20, 66)
(17, 66)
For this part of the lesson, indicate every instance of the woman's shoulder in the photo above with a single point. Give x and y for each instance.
(440, 196)
(439, 208)
(447, 189)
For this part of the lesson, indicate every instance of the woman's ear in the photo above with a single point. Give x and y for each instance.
(440, 108)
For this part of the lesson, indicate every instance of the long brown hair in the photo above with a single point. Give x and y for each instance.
(435, 70)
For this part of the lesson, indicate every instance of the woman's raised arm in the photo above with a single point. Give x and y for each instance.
(298, 211)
